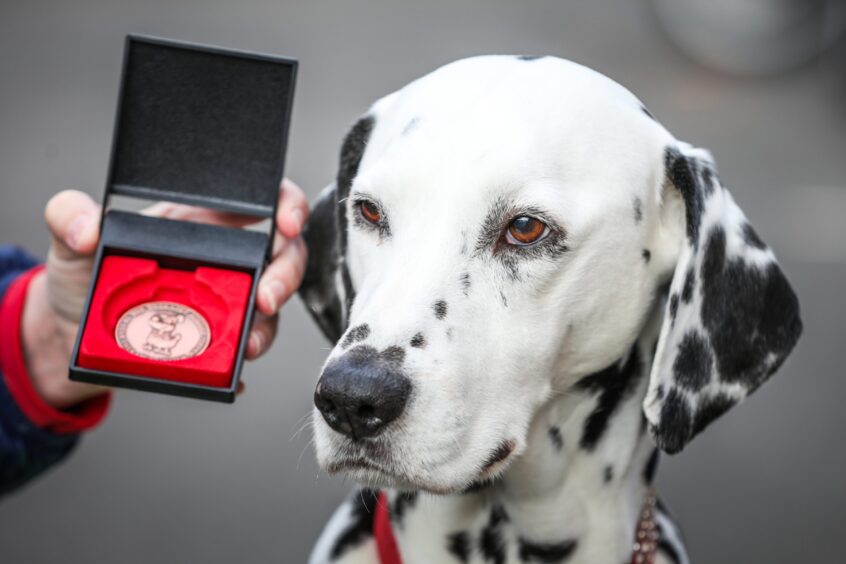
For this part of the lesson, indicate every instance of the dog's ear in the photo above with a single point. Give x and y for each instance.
(322, 288)
(326, 288)
(731, 317)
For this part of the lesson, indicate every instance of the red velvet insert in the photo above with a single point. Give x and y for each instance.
(221, 296)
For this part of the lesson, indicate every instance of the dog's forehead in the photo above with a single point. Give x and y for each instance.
(503, 125)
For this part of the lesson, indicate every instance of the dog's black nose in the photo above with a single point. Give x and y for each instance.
(361, 392)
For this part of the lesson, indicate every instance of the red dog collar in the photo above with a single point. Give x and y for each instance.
(643, 551)
(386, 543)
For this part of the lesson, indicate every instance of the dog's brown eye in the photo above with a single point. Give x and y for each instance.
(370, 212)
(525, 230)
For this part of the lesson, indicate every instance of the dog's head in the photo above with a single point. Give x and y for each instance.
(498, 230)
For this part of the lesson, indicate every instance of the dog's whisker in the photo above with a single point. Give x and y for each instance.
(308, 445)
(305, 425)
(458, 445)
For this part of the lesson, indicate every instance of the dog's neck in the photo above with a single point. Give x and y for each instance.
(577, 489)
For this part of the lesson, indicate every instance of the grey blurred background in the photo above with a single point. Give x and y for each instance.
(177, 480)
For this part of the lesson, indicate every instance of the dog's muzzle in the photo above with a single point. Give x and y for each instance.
(360, 394)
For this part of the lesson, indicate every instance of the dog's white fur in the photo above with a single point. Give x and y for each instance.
(501, 366)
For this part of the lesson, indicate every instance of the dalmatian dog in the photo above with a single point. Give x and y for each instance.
(532, 287)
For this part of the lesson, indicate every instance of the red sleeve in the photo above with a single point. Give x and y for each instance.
(14, 371)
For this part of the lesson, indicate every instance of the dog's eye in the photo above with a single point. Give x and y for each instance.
(370, 212)
(526, 230)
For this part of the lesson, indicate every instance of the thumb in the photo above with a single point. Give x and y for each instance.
(73, 219)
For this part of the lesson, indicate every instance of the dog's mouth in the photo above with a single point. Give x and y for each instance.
(351, 464)
(375, 467)
(496, 461)
(373, 474)
(364, 458)
(497, 457)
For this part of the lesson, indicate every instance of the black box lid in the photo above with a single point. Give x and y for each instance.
(201, 125)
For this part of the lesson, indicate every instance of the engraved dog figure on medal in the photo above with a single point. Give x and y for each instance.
(163, 336)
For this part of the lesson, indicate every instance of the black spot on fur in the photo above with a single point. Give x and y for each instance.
(440, 309)
(647, 255)
(458, 544)
(693, 364)
(356, 334)
(529, 57)
(613, 384)
(418, 341)
(687, 288)
(638, 209)
(546, 553)
(556, 438)
(659, 391)
(709, 409)
(394, 355)
(503, 299)
(362, 352)
(751, 237)
(360, 526)
(491, 543)
(608, 474)
(751, 314)
(352, 150)
(675, 423)
(715, 256)
(499, 454)
(708, 179)
(465, 283)
(681, 171)
(403, 502)
(674, 306)
(651, 467)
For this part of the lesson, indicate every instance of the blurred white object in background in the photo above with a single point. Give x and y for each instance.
(752, 37)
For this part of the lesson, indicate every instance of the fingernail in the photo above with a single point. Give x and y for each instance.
(274, 293)
(298, 218)
(75, 230)
(255, 342)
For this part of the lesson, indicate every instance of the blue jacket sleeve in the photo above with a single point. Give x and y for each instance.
(26, 450)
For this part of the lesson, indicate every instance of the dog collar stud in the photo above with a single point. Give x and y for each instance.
(646, 536)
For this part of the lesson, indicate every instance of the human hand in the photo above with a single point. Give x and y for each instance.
(55, 298)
